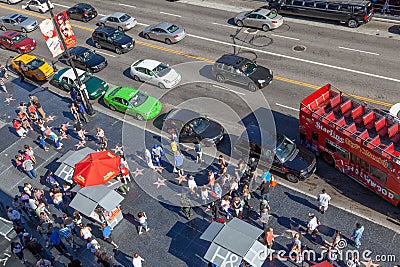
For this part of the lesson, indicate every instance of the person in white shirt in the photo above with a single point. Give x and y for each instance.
(14, 215)
(312, 226)
(323, 199)
(192, 186)
(137, 260)
(149, 161)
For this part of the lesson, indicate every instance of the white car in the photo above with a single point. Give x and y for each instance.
(38, 5)
(395, 111)
(155, 72)
(10, 2)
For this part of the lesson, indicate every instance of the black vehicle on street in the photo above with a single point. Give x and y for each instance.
(87, 59)
(112, 39)
(82, 11)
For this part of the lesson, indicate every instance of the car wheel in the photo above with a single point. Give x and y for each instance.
(9, 2)
(352, 23)
(2, 47)
(112, 107)
(97, 45)
(89, 70)
(20, 52)
(136, 78)
(146, 36)
(3, 28)
(292, 178)
(265, 28)
(118, 50)
(24, 30)
(274, 10)
(139, 117)
(101, 24)
(252, 87)
(120, 29)
(65, 87)
(239, 23)
(220, 78)
(168, 41)
(161, 86)
(41, 11)
(85, 20)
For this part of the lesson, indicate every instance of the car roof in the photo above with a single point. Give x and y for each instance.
(105, 29)
(70, 73)
(163, 25)
(117, 14)
(25, 58)
(231, 60)
(13, 16)
(83, 5)
(259, 136)
(184, 115)
(9, 33)
(261, 11)
(78, 50)
(148, 64)
(124, 91)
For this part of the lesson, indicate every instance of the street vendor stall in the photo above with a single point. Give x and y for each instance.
(100, 203)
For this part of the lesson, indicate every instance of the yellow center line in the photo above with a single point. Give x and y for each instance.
(283, 79)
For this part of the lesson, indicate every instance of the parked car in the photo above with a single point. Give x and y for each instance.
(155, 72)
(10, 2)
(276, 152)
(18, 22)
(165, 32)
(193, 127)
(241, 70)
(38, 68)
(395, 111)
(119, 20)
(86, 59)
(39, 5)
(351, 12)
(260, 18)
(66, 79)
(112, 39)
(132, 102)
(82, 11)
(17, 41)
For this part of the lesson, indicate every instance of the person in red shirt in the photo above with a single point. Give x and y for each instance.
(19, 129)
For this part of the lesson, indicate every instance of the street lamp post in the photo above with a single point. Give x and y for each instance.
(81, 87)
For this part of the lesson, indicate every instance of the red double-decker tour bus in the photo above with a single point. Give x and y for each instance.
(359, 140)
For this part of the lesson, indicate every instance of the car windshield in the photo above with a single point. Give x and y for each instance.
(114, 91)
(138, 99)
(117, 35)
(124, 17)
(199, 125)
(18, 38)
(172, 28)
(161, 70)
(249, 67)
(21, 18)
(87, 55)
(34, 64)
(284, 148)
(85, 77)
(272, 15)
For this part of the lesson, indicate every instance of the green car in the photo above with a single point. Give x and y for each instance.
(65, 79)
(132, 102)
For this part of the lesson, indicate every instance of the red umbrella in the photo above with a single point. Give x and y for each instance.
(323, 264)
(96, 168)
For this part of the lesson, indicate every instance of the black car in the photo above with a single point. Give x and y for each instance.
(351, 12)
(86, 59)
(82, 11)
(193, 127)
(112, 39)
(276, 152)
(241, 70)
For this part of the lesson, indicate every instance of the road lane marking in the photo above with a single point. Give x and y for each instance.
(356, 50)
(102, 15)
(126, 5)
(283, 79)
(169, 14)
(247, 31)
(229, 26)
(226, 89)
(104, 53)
(283, 106)
(297, 59)
(142, 24)
(285, 37)
(60, 5)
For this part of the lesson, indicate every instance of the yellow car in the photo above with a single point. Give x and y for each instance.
(38, 69)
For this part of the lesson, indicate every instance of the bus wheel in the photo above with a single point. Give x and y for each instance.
(328, 158)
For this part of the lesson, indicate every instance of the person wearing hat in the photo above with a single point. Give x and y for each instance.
(186, 206)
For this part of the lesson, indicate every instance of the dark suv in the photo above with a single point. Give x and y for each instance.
(241, 70)
(276, 152)
(351, 12)
(112, 39)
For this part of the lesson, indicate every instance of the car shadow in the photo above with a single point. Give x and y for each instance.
(394, 29)
(127, 73)
(90, 42)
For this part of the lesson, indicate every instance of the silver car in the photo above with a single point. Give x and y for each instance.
(119, 20)
(165, 32)
(18, 22)
(261, 18)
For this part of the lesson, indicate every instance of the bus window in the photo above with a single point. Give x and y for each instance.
(379, 174)
(354, 159)
(343, 153)
(364, 165)
(330, 146)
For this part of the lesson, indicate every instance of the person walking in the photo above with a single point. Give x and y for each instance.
(198, 148)
(357, 234)
(264, 218)
(57, 243)
(269, 237)
(82, 112)
(142, 218)
(86, 231)
(186, 206)
(101, 136)
(106, 230)
(192, 186)
(226, 205)
(44, 263)
(204, 195)
(265, 190)
(30, 152)
(16, 250)
(24, 119)
(3, 78)
(178, 163)
(14, 216)
(23, 68)
(312, 226)
(66, 232)
(149, 161)
(323, 199)
(157, 152)
(75, 112)
(35, 101)
(238, 207)
(42, 142)
(21, 131)
(27, 166)
(137, 260)
(296, 247)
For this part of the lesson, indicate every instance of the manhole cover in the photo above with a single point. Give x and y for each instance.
(260, 40)
(299, 48)
(251, 30)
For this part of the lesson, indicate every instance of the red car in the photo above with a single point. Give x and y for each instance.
(17, 41)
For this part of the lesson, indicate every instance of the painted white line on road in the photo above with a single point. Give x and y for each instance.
(61, 5)
(102, 15)
(247, 31)
(143, 24)
(356, 50)
(126, 5)
(229, 26)
(280, 105)
(226, 89)
(104, 53)
(169, 14)
(298, 59)
(281, 36)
